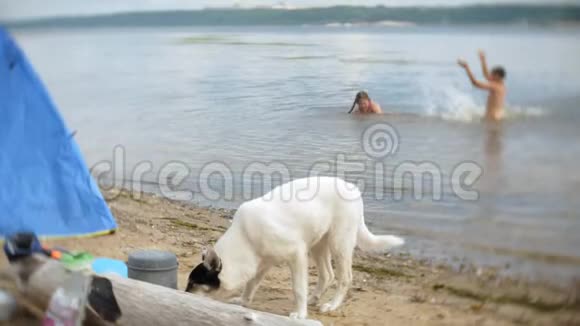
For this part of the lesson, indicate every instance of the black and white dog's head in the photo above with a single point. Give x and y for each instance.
(205, 276)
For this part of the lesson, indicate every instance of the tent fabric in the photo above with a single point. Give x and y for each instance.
(45, 185)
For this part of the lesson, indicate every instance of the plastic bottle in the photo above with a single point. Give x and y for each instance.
(67, 305)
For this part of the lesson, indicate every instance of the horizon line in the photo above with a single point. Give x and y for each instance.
(27, 19)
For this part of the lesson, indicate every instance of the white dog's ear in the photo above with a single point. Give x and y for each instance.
(211, 260)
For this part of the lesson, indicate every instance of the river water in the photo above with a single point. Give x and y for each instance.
(212, 106)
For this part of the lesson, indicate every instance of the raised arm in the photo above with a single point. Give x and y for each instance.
(484, 65)
(474, 81)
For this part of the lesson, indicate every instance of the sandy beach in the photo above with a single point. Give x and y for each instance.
(387, 290)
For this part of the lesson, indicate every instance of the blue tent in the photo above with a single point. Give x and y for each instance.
(45, 185)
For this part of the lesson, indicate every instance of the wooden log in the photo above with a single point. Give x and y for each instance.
(146, 304)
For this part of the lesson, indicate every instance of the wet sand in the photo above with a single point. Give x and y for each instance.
(387, 289)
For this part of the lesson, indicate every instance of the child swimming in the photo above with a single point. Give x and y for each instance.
(495, 86)
(365, 104)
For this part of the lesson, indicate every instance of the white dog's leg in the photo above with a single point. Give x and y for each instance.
(322, 257)
(253, 284)
(344, 276)
(299, 269)
(328, 264)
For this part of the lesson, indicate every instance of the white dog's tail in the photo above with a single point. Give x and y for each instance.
(370, 242)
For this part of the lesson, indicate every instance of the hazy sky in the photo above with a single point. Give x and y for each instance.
(15, 9)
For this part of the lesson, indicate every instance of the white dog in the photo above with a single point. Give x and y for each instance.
(322, 216)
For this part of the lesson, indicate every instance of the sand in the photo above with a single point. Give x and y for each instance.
(387, 289)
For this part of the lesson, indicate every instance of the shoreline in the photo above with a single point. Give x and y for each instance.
(471, 258)
(397, 287)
